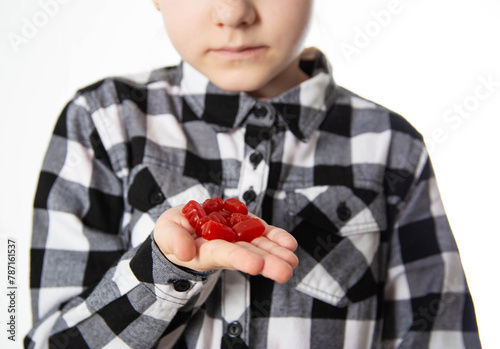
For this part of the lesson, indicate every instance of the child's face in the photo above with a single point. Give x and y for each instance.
(241, 45)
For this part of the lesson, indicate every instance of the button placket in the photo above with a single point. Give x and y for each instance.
(254, 171)
(235, 304)
(253, 180)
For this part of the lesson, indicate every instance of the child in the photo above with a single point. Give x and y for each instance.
(346, 184)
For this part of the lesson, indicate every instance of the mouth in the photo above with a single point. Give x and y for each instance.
(240, 52)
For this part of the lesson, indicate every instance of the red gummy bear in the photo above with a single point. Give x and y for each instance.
(193, 212)
(228, 220)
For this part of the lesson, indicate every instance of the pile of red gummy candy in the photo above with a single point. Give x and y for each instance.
(227, 220)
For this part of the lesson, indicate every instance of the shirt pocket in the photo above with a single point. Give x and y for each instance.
(154, 188)
(338, 230)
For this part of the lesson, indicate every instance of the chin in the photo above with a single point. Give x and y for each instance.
(238, 86)
(239, 83)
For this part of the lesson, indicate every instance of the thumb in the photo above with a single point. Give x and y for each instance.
(173, 239)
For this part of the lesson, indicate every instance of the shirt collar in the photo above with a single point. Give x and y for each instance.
(303, 107)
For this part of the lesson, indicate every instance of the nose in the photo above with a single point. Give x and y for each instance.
(233, 13)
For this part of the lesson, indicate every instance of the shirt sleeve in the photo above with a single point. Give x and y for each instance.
(89, 290)
(427, 300)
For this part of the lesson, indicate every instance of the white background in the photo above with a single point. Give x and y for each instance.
(419, 58)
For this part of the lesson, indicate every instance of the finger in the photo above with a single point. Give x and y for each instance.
(281, 237)
(175, 215)
(281, 272)
(175, 240)
(243, 256)
(235, 256)
(220, 254)
(252, 259)
(276, 250)
(274, 267)
(278, 235)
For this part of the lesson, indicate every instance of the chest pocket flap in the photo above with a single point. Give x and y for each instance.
(338, 231)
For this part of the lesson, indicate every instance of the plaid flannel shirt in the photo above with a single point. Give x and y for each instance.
(351, 180)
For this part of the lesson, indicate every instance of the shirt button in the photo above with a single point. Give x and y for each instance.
(266, 134)
(249, 196)
(256, 158)
(343, 212)
(182, 285)
(234, 329)
(260, 111)
(156, 198)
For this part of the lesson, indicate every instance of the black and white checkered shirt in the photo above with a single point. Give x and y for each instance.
(351, 180)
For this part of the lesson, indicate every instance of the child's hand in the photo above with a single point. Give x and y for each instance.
(270, 255)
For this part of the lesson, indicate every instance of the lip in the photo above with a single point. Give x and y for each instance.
(240, 52)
